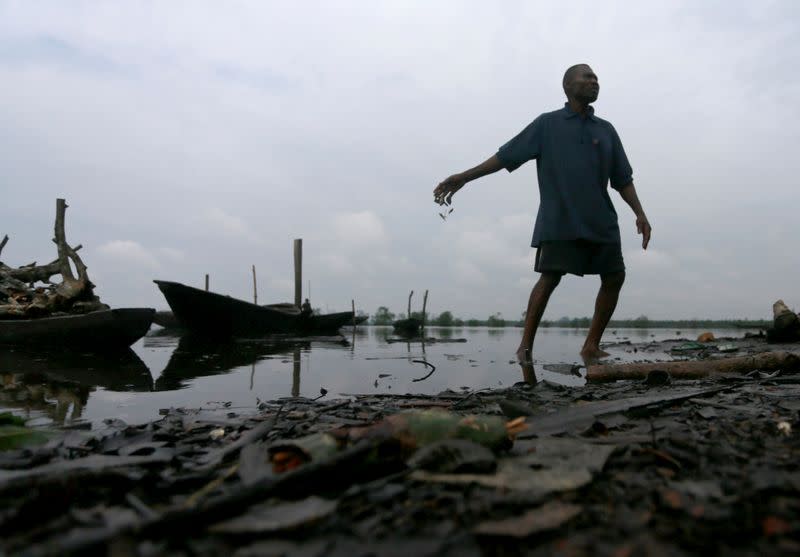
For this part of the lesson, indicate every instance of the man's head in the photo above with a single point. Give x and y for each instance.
(580, 84)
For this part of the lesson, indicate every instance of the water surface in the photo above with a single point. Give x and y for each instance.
(166, 370)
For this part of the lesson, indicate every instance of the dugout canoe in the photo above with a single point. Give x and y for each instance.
(216, 315)
(101, 331)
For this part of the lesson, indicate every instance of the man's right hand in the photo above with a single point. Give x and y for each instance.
(444, 192)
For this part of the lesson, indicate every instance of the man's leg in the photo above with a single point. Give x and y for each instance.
(540, 294)
(610, 285)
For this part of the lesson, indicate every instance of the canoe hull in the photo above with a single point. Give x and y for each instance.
(99, 330)
(216, 315)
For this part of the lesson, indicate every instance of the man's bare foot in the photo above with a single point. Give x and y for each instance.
(524, 356)
(592, 355)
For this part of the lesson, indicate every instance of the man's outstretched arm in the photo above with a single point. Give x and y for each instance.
(643, 227)
(444, 192)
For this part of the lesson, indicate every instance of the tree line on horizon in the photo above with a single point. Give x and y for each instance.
(383, 316)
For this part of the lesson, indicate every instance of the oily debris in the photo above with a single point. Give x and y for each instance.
(660, 466)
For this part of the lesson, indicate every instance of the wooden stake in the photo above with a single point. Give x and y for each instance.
(408, 314)
(206, 282)
(353, 343)
(3, 243)
(298, 272)
(296, 372)
(255, 287)
(424, 303)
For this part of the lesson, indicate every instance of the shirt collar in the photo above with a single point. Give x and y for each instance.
(568, 113)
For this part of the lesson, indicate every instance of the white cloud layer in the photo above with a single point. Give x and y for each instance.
(360, 230)
(128, 252)
(210, 136)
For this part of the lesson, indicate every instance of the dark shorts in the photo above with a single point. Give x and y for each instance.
(579, 257)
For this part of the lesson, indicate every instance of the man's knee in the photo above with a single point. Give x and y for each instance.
(613, 280)
(550, 280)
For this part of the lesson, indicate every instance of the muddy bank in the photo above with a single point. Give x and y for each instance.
(671, 467)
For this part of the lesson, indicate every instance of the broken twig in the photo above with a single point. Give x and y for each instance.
(427, 364)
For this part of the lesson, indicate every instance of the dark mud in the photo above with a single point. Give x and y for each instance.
(663, 467)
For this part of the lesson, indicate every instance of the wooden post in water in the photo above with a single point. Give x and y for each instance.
(296, 372)
(206, 282)
(424, 303)
(353, 343)
(298, 272)
(255, 287)
(408, 314)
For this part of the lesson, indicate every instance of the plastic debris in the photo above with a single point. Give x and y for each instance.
(706, 337)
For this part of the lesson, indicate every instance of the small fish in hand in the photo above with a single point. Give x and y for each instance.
(444, 215)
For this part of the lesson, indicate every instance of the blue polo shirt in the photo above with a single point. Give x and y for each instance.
(576, 157)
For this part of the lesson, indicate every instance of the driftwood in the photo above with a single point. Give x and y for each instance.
(785, 324)
(767, 361)
(20, 297)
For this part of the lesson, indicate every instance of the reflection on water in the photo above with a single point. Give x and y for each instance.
(166, 370)
(56, 385)
(33, 395)
(198, 357)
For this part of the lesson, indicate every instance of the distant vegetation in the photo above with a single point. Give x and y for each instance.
(446, 319)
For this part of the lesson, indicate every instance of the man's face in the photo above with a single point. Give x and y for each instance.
(584, 86)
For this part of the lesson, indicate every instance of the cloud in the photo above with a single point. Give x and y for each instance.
(359, 230)
(517, 224)
(283, 286)
(229, 131)
(261, 78)
(170, 254)
(650, 259)
(468, 272)
(217, 221)
(395, 263)
(338, 264)
(48, 50)
(128, 252)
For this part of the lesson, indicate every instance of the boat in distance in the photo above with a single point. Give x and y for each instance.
(213, 314)
(103, 330)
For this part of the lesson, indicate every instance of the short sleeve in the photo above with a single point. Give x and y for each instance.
(526, 145)
(621, 172)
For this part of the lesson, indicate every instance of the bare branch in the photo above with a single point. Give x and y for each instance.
(61, 240)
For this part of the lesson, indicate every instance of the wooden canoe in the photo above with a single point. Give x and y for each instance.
(212, 314)
(100, 331)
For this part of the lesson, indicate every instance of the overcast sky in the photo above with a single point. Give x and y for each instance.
(203, 137)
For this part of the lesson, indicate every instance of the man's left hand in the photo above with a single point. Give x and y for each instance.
(643, 227)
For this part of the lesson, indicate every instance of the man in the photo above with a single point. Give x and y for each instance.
(305, 309)
(576, 229)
